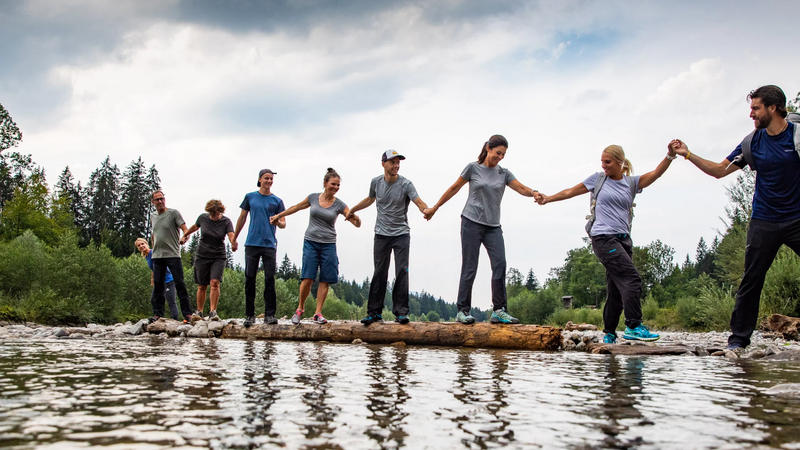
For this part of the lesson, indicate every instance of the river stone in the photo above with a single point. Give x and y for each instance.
(199, 330)
(394, 344)
(771, 350)
(700, 351)
(569, 345)
(587, 327)
(60, 333)
(730, 354)
(581, 347)
(179, 329)
(80, 330)
(718, 353)
(216, 327)
(788, 355)
(754, 354)
(138, 328)
(77, 336)
(357, 341)
(784, 390)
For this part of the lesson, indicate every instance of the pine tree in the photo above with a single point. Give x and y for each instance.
(71, 195)
(103, 217)
(134, 205)
(153, 184)
(531, 283)
(285, 269)
(194, 242)
(228, 256)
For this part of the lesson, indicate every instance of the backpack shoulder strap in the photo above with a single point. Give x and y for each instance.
(747, 154)
(601, 178)
(633, 186)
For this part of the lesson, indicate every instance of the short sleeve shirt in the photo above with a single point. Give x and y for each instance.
(149, 259)
(261, 207)
(212, 236)
(166, 233)
(777, 190)
(613, 204)
(486, 188)
(322, 221)
(392, 201)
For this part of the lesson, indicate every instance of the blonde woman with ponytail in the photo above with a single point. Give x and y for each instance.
(609, 230)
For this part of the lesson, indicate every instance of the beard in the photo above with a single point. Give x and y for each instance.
(763, 122)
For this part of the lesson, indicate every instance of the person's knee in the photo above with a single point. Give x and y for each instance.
(215, 284)
(202, 288)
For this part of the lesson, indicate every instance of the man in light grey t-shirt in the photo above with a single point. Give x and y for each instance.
(392, 233)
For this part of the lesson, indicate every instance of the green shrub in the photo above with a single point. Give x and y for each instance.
(650, 309)
(781, 288)
(561, 316)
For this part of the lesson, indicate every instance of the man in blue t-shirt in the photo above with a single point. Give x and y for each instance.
(776, 203)
(261, 245)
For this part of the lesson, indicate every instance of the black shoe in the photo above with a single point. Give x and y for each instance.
(402, 320)
(153, 319)
(249, 321)
(372, 318)
(271, 320)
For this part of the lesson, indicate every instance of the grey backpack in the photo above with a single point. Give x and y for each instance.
(601, 178)
(747, 154)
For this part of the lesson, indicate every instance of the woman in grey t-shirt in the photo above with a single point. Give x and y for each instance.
(480, 224)
(319, 245)
(611, 239)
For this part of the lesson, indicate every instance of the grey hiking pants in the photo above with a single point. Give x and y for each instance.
(472, 236)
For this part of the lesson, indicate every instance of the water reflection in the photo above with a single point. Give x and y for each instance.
(161, 393)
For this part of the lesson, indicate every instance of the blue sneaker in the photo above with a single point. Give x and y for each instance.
(610, 338)
(463, 317)
(733, 346)
(501, 316)
(402, 320)
(372, 318)
(640, 333)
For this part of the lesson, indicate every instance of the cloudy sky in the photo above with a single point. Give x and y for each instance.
(211, 92)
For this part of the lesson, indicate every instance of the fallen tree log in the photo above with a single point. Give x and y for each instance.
(484, 335)
(788, 327)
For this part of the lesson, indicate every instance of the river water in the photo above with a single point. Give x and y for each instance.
(151, 392)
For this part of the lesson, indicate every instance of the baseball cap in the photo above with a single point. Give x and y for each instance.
(261, 174)
(389, 154)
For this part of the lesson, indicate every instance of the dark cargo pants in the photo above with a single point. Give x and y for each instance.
(623, 284)
(382, 253)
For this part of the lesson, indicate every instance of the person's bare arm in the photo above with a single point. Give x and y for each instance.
(578, 189)
(185, 237)
(350, 217)
(366, 203)
(448, 194)
(240, 223)
(716, 170)
(232, 239)
(522, 189)
(650, 177)
(278, 219)
(188, 233)
(420, 204)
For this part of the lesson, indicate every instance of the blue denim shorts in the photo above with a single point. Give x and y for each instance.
(323, 257)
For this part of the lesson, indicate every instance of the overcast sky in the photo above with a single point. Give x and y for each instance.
(211, 92)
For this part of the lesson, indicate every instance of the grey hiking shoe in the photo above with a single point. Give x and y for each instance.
(463, 317)
(249, 321)
(501, 316)
(270, 320)
(213, 315)
(297, 316)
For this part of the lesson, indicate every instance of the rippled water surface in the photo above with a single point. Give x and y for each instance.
(158, 393)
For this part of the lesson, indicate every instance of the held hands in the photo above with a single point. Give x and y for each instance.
(184, 239)
(428, 213)
(234, 246)
(541, 198)
(676, 146)
(354, 219)
(275, 219)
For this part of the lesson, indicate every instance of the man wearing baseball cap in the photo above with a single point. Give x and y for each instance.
(392, 234)
(261, 245)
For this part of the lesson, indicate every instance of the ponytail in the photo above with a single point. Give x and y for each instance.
(494, 141)
(331, 174)
(618, 154)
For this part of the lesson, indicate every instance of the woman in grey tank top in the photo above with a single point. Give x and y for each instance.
(609, 228)
(480, 224)
(319, 246)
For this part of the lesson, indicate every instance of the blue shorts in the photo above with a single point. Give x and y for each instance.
(323, 257)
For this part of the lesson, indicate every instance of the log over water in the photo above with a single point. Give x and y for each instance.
(484, 335)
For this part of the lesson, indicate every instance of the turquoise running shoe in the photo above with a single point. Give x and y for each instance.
(463, 317)
(640, 333)
(501, 316)
(610, 338)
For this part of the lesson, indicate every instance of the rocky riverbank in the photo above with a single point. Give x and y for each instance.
(586, 338)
